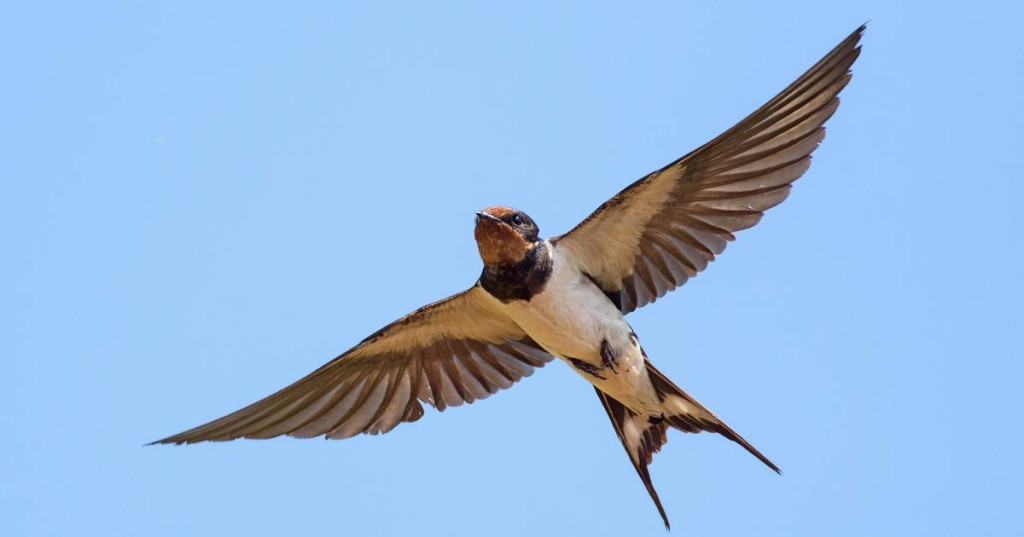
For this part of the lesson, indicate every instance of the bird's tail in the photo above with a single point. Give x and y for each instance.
(642, 436)
(686, 414)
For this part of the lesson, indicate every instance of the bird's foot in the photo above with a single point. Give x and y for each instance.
(608, 356)
(587, 368)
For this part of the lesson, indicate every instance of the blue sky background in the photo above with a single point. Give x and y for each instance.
(200, 204)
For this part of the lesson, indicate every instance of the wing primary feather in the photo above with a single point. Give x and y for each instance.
(473, 366)
(385, 403)
(340, 404)
(414, 410)
(433, 377)
(360, 416)
(449, 370)
(368, 386)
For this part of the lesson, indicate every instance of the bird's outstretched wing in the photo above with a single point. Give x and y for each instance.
(454, 351)
(665, 228)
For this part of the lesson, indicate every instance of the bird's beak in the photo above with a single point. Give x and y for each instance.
(480, 215)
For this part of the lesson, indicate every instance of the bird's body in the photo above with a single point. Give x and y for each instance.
(567, 296)
(573, 319)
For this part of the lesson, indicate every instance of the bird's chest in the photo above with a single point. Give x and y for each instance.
(571, 317)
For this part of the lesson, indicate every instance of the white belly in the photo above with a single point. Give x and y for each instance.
(570, 318)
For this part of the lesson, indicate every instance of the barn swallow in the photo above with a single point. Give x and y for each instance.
(566, 297)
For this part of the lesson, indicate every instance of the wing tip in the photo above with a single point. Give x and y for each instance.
(174, 439)
(170, 441)
(182, 440)
(856, 35)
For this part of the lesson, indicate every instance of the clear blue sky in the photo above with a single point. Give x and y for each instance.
(200, 204)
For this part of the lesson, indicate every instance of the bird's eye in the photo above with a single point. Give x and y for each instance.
(517, 219)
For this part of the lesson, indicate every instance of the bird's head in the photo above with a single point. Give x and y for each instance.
(505, 235)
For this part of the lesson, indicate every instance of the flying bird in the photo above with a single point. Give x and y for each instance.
(566, 297)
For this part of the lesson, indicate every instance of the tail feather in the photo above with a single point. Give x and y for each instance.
(687, 414)
(641, 439)
(643, 436)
